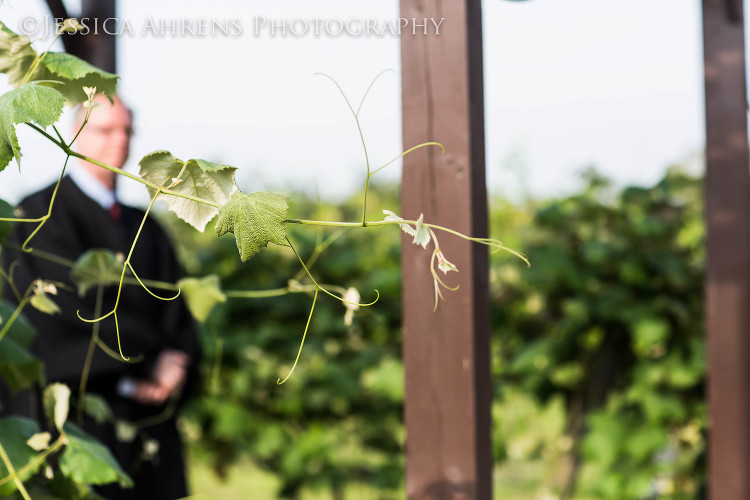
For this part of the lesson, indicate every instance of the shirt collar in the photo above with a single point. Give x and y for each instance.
(93, 188)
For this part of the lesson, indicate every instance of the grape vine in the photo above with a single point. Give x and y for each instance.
(197, 191)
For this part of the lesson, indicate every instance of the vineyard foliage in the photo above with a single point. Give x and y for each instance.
(598, 352)
(196, 191)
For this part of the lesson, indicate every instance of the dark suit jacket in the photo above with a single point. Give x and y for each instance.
(147, 325)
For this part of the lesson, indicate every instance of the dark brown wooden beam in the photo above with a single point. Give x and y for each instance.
(448, 390)
(727, 215)
(97, 48)
(100, 49)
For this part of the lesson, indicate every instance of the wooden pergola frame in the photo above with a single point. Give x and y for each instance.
(447, 353)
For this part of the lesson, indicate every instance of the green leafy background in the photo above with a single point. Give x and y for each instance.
(598, 354)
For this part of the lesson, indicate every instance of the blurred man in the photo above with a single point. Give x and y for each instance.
(87, 215)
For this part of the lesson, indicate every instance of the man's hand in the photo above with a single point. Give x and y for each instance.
(168, 376)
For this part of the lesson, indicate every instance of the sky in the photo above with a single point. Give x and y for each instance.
(614, 84)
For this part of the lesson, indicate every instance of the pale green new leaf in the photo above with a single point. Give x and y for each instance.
(41, 301)
(39, 441)
(16, 55)
(31, 103)
(390, 216)
(421, 233)
(255, 219)
(96, 267)
(74, 74)
(69, 72)
(56, 401)
(87, 461)
(444, 264)
(197, 178)
(202, 295)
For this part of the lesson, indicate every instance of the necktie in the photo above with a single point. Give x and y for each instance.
(115, 211)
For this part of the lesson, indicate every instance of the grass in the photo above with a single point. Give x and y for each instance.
(512, 481)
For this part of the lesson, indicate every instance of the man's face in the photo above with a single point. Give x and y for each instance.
(106, 136)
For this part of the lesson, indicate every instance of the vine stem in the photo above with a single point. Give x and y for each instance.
(355, 114)
(25, 300)
(277, 292)
(59, 443)
(319, 287)
(304, 334)
(118, 171)
(162, 285)
(42, 219)
(259, 294)
(320, 247)
(8, 277)
(85, 121)
(484, 241)
(49, 209)
(125, 265)
(361, 135)
(38, 60)
(12, 473)
(89, 353)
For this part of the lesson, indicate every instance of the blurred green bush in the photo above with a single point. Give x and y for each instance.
(598, 352)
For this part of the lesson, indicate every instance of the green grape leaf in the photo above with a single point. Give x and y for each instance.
(74, 74)
(87, 461)
(68, 73)
(21, 331)
(198, 178)
(16, 55)
(96, 267)
(255, 219)
(14, 432)
(6, 212)
(97, 408)
(56, 401)
(18, 368)
(31, 103)
(202, 295)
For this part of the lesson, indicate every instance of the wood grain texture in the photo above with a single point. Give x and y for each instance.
(727, 213)
(446, 353)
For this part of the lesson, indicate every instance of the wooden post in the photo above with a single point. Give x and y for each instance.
(727, 210)
(448, 389)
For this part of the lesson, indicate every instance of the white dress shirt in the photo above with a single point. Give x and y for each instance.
(92, 188)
